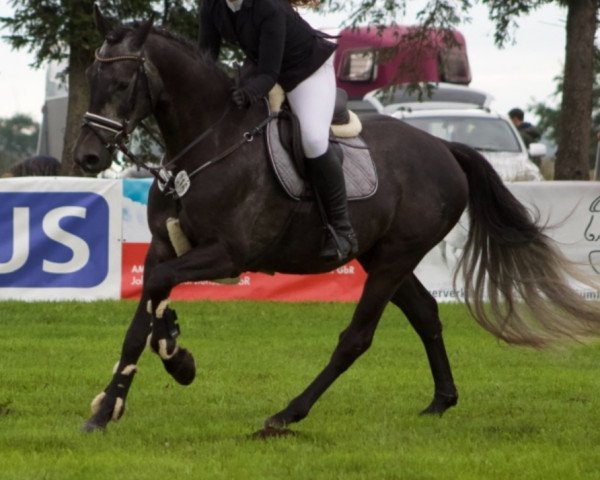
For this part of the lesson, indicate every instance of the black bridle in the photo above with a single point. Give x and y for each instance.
(120, 130)
(168, 183)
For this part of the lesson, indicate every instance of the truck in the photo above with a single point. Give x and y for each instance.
(368, 58)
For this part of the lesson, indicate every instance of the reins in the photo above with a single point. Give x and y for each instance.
(177, 185)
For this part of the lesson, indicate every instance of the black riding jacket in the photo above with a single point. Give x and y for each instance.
(285, 48)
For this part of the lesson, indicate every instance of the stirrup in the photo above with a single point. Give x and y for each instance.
(338, 246)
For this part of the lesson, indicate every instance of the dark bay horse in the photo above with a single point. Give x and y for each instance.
(236, 218)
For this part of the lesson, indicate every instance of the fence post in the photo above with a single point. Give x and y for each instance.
(597, 164)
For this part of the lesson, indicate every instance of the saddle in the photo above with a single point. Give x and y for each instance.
(287, 158)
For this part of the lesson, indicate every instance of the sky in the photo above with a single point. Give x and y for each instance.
(517, 75)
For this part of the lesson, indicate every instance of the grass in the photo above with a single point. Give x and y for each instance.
(521, 414)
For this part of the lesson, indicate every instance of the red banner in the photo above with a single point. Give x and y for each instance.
(341, 285)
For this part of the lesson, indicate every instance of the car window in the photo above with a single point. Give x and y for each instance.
(488, 134)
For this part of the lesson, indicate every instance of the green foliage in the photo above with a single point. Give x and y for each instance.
(522, 414)
(18, 139)
(49, 28)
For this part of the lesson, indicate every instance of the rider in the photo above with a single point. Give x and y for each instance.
(287, 50)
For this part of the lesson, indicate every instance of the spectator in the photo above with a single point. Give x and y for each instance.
(529, 132)
(38, 166)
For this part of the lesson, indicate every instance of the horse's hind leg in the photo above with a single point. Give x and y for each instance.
(353, 342)
(421, 309)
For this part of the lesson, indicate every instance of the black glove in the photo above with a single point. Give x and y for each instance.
(241, 97)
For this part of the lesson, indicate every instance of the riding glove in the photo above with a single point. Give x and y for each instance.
(252, 89)
(241, 97)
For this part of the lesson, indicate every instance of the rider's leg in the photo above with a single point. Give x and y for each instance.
(313, 101)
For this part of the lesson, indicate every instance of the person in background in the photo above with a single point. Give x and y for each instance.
(287, 50)
(37, 166)
(529, 132)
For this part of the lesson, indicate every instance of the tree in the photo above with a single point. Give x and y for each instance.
(582, 18)
(549, 115)
(64, 29)
(18, 139)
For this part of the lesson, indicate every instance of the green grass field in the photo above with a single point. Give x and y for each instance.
(522, 414)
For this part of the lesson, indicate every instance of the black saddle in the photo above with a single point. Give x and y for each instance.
(289, 130)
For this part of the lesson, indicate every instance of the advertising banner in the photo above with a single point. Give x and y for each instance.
(86, 239)
(569, 210)
(60, 238)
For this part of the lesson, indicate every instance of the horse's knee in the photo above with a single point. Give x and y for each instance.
(158, 284)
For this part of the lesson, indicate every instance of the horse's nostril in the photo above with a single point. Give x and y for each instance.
(87, 161)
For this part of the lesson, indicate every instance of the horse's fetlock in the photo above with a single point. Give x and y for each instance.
(108, 406)
(97, 402)
(167, 348)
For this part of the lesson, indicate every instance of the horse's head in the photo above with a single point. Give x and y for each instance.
(124, 88)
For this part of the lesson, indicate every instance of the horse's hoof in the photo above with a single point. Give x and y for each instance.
(272, 432)
(440, 403)
(91, 426)
(181, 367)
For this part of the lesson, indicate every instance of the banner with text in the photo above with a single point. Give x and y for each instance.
(77, 238)
(60, 238)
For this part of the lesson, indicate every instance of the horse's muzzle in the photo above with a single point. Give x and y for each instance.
(90, 163)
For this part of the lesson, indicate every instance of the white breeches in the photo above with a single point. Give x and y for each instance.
(313, 101)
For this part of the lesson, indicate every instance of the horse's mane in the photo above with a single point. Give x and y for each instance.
(118, 34)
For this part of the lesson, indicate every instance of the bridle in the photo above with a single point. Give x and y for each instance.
(177, 185)
(121, 130)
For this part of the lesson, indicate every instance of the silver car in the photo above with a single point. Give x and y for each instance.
(492, 134)
(461, 114)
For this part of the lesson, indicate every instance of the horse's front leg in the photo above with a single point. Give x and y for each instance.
(110, 403)
(206, 263)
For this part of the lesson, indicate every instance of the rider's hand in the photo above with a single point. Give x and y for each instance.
(241, 97)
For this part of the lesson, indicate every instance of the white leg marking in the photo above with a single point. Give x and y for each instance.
(180, 242)
(96, 402)
(162, 350)
(129, 369)
(162, 306)
(118, 410)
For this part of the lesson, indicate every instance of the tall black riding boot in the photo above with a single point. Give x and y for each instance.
(327, 178)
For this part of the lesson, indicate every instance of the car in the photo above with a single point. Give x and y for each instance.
(427, 97)
(462, 114)
(492, 134)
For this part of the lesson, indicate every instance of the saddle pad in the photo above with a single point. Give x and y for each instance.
(359, 170)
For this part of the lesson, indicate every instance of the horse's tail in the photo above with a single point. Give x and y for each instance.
(508, 257)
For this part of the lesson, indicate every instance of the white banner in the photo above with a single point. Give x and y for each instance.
(85, 239)
(60, 238)
(571, 212)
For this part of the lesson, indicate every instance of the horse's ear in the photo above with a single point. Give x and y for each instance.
(143, 32)
(102, 23)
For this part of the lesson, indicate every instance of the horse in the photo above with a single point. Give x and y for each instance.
(235, 217)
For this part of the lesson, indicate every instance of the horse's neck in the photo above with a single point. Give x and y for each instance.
(195, 97)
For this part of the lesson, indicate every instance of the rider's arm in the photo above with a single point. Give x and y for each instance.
(209, 38)
(270, 49)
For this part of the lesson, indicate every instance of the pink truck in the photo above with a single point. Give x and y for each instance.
(366, 59)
